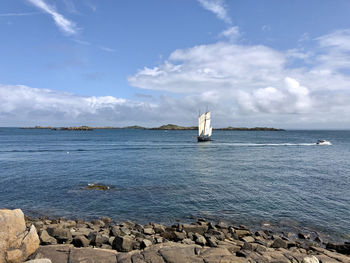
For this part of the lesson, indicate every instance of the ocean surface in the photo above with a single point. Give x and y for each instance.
(250, 177)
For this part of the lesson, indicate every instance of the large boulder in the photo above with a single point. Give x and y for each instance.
(16, 242)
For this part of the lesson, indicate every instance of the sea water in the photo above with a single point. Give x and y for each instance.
(252, 177)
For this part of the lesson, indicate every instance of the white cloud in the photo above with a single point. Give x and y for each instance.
(21, 105)
(251, 81)
(21, 14)
(218, 8)
(63, 23)
(231, 33)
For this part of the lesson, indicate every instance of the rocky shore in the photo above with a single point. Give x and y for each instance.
(61, 240)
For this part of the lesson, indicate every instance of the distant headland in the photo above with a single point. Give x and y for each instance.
(163, 127)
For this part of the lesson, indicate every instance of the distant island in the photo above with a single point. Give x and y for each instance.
(163, 127)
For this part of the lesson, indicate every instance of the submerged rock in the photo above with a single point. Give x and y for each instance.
(99, 187)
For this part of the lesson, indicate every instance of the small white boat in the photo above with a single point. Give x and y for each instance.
(323, 142)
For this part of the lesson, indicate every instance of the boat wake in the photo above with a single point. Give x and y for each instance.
(268, 144)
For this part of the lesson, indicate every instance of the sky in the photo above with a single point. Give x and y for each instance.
(271, 63)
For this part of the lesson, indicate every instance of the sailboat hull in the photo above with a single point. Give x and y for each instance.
(203, 138)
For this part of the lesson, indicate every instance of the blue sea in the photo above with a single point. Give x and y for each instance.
(251, 177)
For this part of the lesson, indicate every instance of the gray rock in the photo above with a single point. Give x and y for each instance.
(217, 234)
(56, 253)
(340, 248)
(106, 220)
(241, 233)
(248, 239)
(222, 225)
(46, 239)
(303, 236)
(199, 239)
(200, 229)
(212, 241)
(83, 231)
(91, 255)
(187, 241)
(115, 231)
(124, 231)
(178, 236)
(279, 243)
(122, 243)
(158, 228)
(62, 235)
(261, 234)
(81, 241)
(146, 243)
(148, 231)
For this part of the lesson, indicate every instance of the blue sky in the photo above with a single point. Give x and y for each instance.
(253, 63)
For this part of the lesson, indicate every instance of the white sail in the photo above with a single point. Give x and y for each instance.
(210, 131)
(207, 128)
(201, 123)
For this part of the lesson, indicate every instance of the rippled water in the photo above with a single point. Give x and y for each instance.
(242, 176)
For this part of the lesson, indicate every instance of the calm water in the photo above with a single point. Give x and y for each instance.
(243, 177)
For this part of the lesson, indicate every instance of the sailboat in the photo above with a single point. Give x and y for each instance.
(204, 128)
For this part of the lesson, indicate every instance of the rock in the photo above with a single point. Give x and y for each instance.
(106, 220)
(46, 239)
(122, 243)
(62, 235)
(79, 255)
(115, 231)
(310, 259)
(98, 223)
(199, 239)
(178, 236)
(222, 225)
(179, 254)
(146, 243)
(158, 228)
(318, 239)
(81, 241)
(30, 242)
(249, 246)
(110, 240)
(217, 234)
(152, 257)
(212, 241)
(340, 248)
(124, 231)
(96, 239)
(43, 260)
(248, 239)
(187, 241)
(148, 231)
(261, 234)
(16, 244)
(83, 231)
(128, 224)
(279, 243)
(303, 236)
(56, 253)
(200, 229)
(241, 233)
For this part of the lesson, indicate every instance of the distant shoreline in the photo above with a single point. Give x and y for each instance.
(163, 127)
